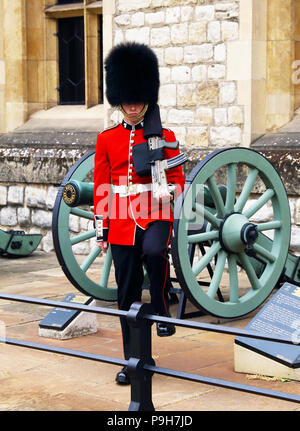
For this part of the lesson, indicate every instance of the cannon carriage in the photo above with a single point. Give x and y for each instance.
(226, 256)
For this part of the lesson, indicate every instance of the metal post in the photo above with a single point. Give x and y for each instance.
(140, 354)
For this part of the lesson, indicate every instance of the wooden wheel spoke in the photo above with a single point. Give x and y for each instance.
(246, 264)
(216, 196)
(249, 183)
(231, 187)
(264, 253)
(219, 268)
(263, 199)
(276, 224)
(90, 258)
(82, 237)
(204, 236)
(205, 260)
(207, 215)
(233, 279)
(82, 213)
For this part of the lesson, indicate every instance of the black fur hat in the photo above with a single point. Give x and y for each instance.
(132, 74)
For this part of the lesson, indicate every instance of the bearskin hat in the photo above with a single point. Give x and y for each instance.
(132, 74)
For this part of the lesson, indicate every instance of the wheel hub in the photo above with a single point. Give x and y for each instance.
(237, 233)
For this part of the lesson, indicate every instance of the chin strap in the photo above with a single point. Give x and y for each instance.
(139, 116)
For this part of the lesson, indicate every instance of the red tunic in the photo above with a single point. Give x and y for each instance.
(114, 165)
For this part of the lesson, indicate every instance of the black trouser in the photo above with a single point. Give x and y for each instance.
(151, 248)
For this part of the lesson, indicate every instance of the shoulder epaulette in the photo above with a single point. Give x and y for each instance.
(110, 127)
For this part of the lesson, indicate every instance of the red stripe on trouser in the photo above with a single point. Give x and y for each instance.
(167, 259)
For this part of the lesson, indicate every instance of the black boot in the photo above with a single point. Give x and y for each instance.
(122, 377)
(165, 329)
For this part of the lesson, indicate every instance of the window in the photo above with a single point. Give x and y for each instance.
(79, 52)
(68, 1)
(71, 61)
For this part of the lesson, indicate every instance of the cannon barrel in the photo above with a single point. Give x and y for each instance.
(77, 193)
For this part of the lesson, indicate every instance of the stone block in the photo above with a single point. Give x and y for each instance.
(164, 75)
(167, 95)
(186, 95)
(155, 18)
(141, 35)
(227, 93)
(35, 197)
(51, 196)
(198, 53)
(180, 116)
(123, 19)
(42, 219)
(197, 137)
(179, 33)
(235, 115)
(226, 10)
(138, 19)
(181, 74)
(230, 30)
(160, 36)
(173, 15)
(225, 136)
(214, 31)
(133, 5)
(119, 37)
(220, 116)
(23, 217)
(199, 73)
(295, 239)
(47, 242)
(173, 55)
(160, 55)
(15, 195)
(216, 71)
(3, 195)
(204, 116)
(8, 216)
(186, 13)
(205, 13)
(82, 248)
(197, 32)
(220, 52)
(74, 223)
(207, 94)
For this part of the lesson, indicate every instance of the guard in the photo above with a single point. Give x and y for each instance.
(137, 226)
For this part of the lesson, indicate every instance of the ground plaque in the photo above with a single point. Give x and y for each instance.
(280, 317)
(65, 323)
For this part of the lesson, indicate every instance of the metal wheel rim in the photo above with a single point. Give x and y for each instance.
(187, 279)
(63, 245)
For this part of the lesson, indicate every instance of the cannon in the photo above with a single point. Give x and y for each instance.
(16, 243)
(228, 263)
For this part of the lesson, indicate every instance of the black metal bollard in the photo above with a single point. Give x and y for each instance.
(140, 354)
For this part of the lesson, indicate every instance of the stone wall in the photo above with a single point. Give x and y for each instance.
(29, 208)
(190, 39)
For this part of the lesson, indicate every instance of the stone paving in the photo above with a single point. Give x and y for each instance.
(41, 381)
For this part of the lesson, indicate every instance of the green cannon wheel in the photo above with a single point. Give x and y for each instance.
(88, 273)
(242, 239)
